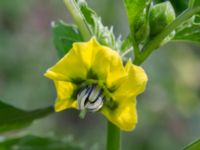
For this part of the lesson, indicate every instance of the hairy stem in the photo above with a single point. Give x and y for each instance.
(78, 18)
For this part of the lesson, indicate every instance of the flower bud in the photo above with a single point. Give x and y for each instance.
(161, 15)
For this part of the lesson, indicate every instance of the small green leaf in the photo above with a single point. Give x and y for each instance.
(189, 34)
(137, 12)
(39, 143)
(103, 34)
(134, 8)
(64, 35)
(189, 31)
(12, 118)
(193, 146)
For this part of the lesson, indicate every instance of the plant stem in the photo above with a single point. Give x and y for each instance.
(113, 137)
(154, 43)
(136, 50)
(78, 18)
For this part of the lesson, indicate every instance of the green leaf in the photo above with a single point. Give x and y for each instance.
(137, 12)
(193, 146)
(103, 34)
(194, 3)
(189, 31)
(39, 143)
(134, 9)
(189, 34)
(12, 118)
(64, 35)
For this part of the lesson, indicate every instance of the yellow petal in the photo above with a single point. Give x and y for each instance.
(116, 71)
(107, 64)
(133, 84)
(88, 60)
(65, 91)
(74, 65)
(124, 116)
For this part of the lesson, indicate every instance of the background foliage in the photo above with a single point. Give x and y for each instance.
(168, 110)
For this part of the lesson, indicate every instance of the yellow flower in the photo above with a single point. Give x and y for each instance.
(92, 77)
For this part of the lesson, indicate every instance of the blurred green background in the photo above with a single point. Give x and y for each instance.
(169, 114)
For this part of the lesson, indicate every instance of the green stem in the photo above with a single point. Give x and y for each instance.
(78, 18)
(154, 43)
(136, 50)
(113, 137)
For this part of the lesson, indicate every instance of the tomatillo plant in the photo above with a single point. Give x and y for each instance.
(98, 72)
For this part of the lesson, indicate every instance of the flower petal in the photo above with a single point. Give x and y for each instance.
(133, 84)
(107, 64)
(124, 115)
(116, 71)
(65, 91)
(74, 65)
(88, 60)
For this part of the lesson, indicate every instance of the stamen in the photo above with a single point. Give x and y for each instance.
(81, 99)
(94, 95)
(96, 105)
(90, 98)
